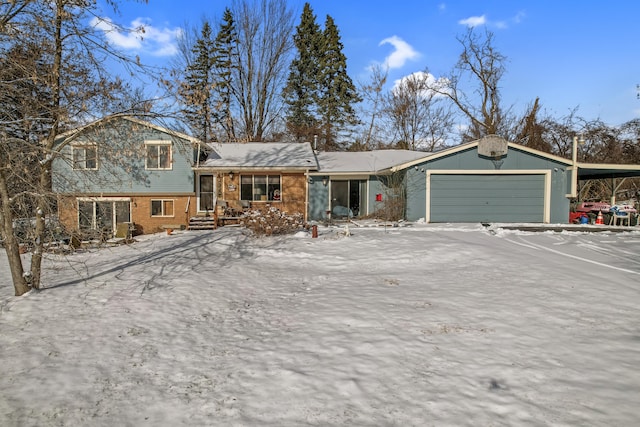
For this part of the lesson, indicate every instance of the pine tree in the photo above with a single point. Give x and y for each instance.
(301, 92)
(337, 92)
(225, 52)
(319, 92)
(196, 90)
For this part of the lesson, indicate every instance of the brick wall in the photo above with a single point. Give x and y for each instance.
(147, 224)
(292, 199)
(140, 212)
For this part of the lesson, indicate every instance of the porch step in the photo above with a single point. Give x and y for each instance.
(202, 223)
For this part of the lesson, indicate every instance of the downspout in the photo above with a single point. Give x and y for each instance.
(574, 166)
(306, 195)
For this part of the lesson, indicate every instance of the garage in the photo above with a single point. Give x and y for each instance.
(487, 197)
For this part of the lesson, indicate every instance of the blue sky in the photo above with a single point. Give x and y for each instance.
(569, 54)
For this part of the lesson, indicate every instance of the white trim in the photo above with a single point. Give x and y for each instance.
(253, 186)
(95, 200)
(540, 153)
(84, 146)
(104, 199)
(158, 143)
(606, 166)
(173, 204)
(198, 175)
(253, 170)
(69, 136)
(462, 147)
(367, 189)
(345, 176)
(546, 217)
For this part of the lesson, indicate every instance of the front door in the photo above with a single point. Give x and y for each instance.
(206, 193)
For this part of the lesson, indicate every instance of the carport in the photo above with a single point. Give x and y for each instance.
(612, 175)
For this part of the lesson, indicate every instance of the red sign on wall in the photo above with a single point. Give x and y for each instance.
(378, 197)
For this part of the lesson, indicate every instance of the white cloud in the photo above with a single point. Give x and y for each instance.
(501, 25)
(519, 17)
(140, 36)
(441, 84)
(402, 53)
(473, 21)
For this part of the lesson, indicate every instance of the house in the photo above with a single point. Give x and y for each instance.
(123, 170)
(487, 180)
(355, 184)
(252, 175)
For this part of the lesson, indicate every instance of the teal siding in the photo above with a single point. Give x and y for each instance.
(487, 198)
(416, 183)
(318, 199)
(468, 160)
(319, 196)
(121, 163)
(376, 186)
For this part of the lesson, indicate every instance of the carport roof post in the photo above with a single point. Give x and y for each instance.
(574, 165)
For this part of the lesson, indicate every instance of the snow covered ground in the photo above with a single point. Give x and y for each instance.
(422, 325)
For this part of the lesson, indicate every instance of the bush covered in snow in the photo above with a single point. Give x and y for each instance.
(269, 221)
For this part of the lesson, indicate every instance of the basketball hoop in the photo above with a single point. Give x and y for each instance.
(494, 148)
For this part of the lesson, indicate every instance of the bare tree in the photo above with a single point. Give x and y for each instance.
(558, 133)
(417, 114)
(265, 42)
(474, 85)
(53, 78)
(530, 131)
(630, 137)
(252, 50)
(372, 93)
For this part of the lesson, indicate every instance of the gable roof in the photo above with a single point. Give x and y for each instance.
(260, 155)
(468, 145)
(70, 135)
(365, 161)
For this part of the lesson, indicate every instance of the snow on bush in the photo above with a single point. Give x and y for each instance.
(268, 221)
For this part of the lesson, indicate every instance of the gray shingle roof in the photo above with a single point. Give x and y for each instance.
(300, 156)
(258, 155)
(365, 161)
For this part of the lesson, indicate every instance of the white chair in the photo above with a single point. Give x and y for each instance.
(624, 216)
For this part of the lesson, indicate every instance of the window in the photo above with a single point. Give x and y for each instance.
(162, 208)
(158, 155)
(85, 157)
(103, 214)
(260, 187)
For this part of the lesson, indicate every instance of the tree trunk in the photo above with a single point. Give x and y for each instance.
(11, 243)
(45, 172)
(12, 248)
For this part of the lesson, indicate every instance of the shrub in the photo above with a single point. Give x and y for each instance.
(268, 221)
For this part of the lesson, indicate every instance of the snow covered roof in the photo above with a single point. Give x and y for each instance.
(365, 161)
(260, 155)
(278, 155)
